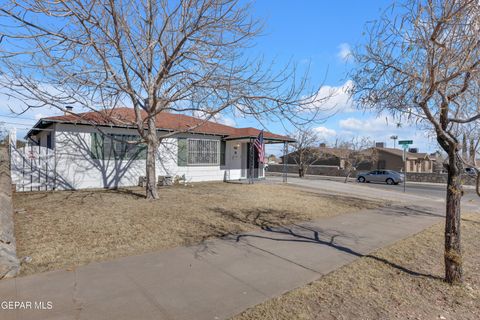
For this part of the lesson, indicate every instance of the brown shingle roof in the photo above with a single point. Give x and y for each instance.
(165, 121)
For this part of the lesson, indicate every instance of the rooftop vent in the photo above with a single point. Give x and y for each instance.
(68, 110)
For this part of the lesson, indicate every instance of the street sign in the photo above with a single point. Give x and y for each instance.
(405, 144)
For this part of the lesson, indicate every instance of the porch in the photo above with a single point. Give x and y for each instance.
(245, 155)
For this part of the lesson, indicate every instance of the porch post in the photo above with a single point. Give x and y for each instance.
(251, 164)
(285, 161)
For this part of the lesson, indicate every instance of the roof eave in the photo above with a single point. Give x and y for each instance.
(225, 135)
(117, 126)
(264, 138)
(36, 126)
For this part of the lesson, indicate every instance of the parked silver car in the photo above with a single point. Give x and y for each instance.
(387, 176)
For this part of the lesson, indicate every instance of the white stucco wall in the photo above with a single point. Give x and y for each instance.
(77, 169)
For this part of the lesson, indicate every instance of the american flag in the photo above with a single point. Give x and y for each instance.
(260, 146)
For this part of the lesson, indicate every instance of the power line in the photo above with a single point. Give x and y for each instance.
(16, 117)
(16, 123)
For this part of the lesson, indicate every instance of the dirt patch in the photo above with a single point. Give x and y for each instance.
(403, 281)
(69, 228)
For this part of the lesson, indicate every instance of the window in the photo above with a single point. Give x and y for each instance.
(382, 164)
(223, 147)
(200, 152)
(117, 146)
(49, 141)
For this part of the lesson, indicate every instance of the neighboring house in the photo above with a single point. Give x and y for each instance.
(326, 157)
(438, 162)
(392, 159)
(98, 150)
(272, 159)
(383, 158)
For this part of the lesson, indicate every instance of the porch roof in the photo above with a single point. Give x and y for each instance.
(280, 139)
(248, 133)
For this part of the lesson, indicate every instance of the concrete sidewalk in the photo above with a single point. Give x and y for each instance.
(219, 278)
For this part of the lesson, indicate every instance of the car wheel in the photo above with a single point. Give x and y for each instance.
(390, 181)
(361, 179)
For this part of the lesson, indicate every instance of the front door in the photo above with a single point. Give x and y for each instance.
(255, 161)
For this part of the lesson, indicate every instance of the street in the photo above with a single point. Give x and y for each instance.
(424, 189)
(428, 190)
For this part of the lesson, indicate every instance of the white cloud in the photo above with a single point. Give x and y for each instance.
(325, 133)
(381, 128)
(334, 99)
(369, 125)
(225, 120)
(344, 52)
(218, 118)
(351, 124)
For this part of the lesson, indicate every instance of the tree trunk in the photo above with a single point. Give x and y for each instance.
(301, 172)
(477, 185)
(349, 172)
(464, 147)
(472, 152)
(152, 143)
(453, 249)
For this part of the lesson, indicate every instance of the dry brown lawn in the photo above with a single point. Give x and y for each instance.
(402, 281)
(68, 228)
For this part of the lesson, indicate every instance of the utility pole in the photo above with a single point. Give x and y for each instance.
(405, 144)
(394, 138)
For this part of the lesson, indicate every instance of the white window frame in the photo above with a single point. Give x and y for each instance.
(190, 153)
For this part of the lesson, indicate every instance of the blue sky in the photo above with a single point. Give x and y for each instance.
(318, 33)
(321, 33)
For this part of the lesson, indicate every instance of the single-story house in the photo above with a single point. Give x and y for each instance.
(392, 159)
(318, 156)
(374, 158)
(98, 150)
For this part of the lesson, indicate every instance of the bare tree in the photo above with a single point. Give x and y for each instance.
(354, 152)
(183, 56)
(422, 59)
(3, 134)
(306, 150)
(470, 142)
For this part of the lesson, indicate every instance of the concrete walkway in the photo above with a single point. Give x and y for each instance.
(219, 278)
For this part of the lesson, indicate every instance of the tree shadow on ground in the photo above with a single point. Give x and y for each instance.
(471, 221)
(271, 221)
(260, 217)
